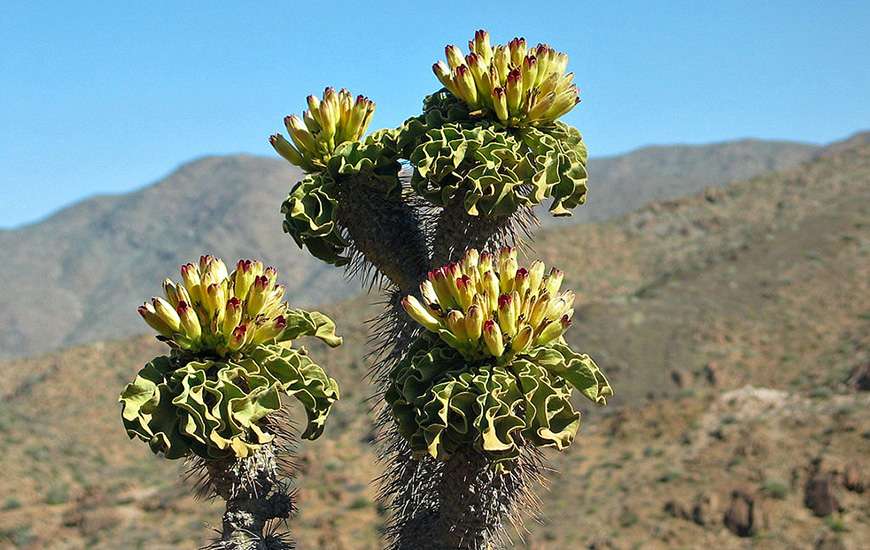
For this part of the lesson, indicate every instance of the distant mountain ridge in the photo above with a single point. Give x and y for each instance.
(622, 183)
(78, 275)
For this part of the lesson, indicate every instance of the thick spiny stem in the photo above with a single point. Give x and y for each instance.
(457, 231)
(462, 503)
(254, 495)
(386, 231)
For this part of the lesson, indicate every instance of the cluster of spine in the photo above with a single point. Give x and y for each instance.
(517, 85)
(231, 364)
(490, 307)
(327, 123)
(505, 377)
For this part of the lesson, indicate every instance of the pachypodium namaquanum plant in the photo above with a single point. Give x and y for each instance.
(495, 374)
(219, 397)
(490, 143)
(471, 360)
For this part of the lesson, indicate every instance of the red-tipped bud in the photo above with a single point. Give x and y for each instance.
(189, 321)
(493, 338)
(238, 338)
(454, 56)
(507, 314)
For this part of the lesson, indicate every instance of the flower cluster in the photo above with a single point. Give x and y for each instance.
(218, 312)
(492, 373)
(231, 363)
(521, 86)
(337, 119)
(490, 169)
(485, 306)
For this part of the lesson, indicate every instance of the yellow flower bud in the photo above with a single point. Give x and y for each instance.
(507, 314)
(243, 278)
(166, 313)
(536, 275)
(539, 309)
(491, 289)
(232, 317)
(268, 330)
(190, 277)
(454, 57)
(189, 321)
(482, 46)
(554, 281)
(456, 324)
(470, 261)
(238, 338)
(286, 150)
(501, 61)
(257, 295)
(553, 330)
(521, 341)
(465, 291)
(416, 311)
(493, 339)
(149, 314)
(521, 281)
(474, 323)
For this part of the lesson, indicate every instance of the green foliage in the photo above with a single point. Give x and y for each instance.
(230, 365)
(493, 170)
(311, 215)
(216, 408)
(775, 489)
(57, 494)
(443, 404)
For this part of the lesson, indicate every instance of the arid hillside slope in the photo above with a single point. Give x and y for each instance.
(734, 326)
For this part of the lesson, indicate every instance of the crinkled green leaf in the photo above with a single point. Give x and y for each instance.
(491, 169)
(216, 408)
(442, 404)
(310, 217)
(311, 209)
(310, 323)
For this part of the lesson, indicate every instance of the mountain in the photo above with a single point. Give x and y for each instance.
(79, 275)
(733, 324)
(620, 184)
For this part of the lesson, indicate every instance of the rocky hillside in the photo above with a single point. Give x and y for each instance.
(624, 183)
(77, 276)
(734, 326)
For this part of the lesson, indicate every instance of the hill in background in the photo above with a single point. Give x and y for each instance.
(78, 276)
(734, 326)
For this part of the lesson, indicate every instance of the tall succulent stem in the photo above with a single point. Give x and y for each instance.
(462, 503)
(254, 494)
(457, 231)
(386, 233)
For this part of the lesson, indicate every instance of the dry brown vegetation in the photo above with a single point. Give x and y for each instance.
(734, 326)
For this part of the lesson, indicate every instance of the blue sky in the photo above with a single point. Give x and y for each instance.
(104, 97)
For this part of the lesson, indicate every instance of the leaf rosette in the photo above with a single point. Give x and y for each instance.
(311, 211)
(492, 169)
(493, 371)
(231, 366)
(443, 404)
(218, 408)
